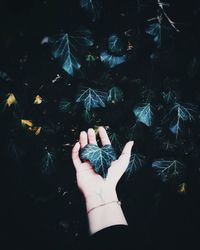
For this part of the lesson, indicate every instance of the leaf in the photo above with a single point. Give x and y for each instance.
(48, 163)
(37, 130)
(168, 169)
(115, 141)
(100, 158)
(115, 44)
(38, 100)
(169, 96)
(87, 116)
(92, 98)
(112, 61)
(115, 94)
(154, 30)
(91, 6)
(11, 100)
(136, 162)
(67, 48)
(64, 105)
(182, 188)
(26, 123)
(144, 114)
(183, 112)
(4, 77)
(15, 150)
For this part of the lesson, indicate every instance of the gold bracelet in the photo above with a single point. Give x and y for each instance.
(118, 202)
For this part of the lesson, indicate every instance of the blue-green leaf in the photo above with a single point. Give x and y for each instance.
(136, 162)
(115, 94)
(168, 169)
(67, 48)
(144, 114)
(154, 30)
(183, 112)
(64, 105)
(115, 141)
(100, 158)
(169, 96)
(48, 163)
(92, 98)
(4, 77)
(111, 60)
(92, 6)
(115, 44)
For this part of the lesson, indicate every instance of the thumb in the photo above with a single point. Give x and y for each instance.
(119, 167)
(124, 158)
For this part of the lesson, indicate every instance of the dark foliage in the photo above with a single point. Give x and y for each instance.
(131, 66)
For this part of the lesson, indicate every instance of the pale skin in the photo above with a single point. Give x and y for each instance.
(97, 190)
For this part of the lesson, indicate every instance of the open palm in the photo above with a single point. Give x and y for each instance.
(89, 182)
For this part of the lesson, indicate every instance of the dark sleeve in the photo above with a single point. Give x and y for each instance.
(114, 237)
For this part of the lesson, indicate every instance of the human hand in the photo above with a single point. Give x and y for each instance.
(89, 182)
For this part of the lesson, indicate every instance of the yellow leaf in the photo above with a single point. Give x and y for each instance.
(26, 123)
(38, 100)
(11, 99)
(182, 188)
(37, 130)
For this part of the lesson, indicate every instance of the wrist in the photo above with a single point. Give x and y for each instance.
(100, 198)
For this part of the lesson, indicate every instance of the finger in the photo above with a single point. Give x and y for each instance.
(118, 167)
(83, 139)
(92, 136)
(75, 155)
(103, 136)
(126, 153)
(124, 159)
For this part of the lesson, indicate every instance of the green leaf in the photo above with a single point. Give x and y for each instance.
(100, 158)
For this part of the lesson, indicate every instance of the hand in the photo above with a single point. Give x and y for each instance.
(89, 182)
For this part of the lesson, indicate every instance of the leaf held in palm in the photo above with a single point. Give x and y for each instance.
(100, 158)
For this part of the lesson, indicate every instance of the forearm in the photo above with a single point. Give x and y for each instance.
(104, 216)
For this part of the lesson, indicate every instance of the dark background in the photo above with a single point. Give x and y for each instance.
(46, 211)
